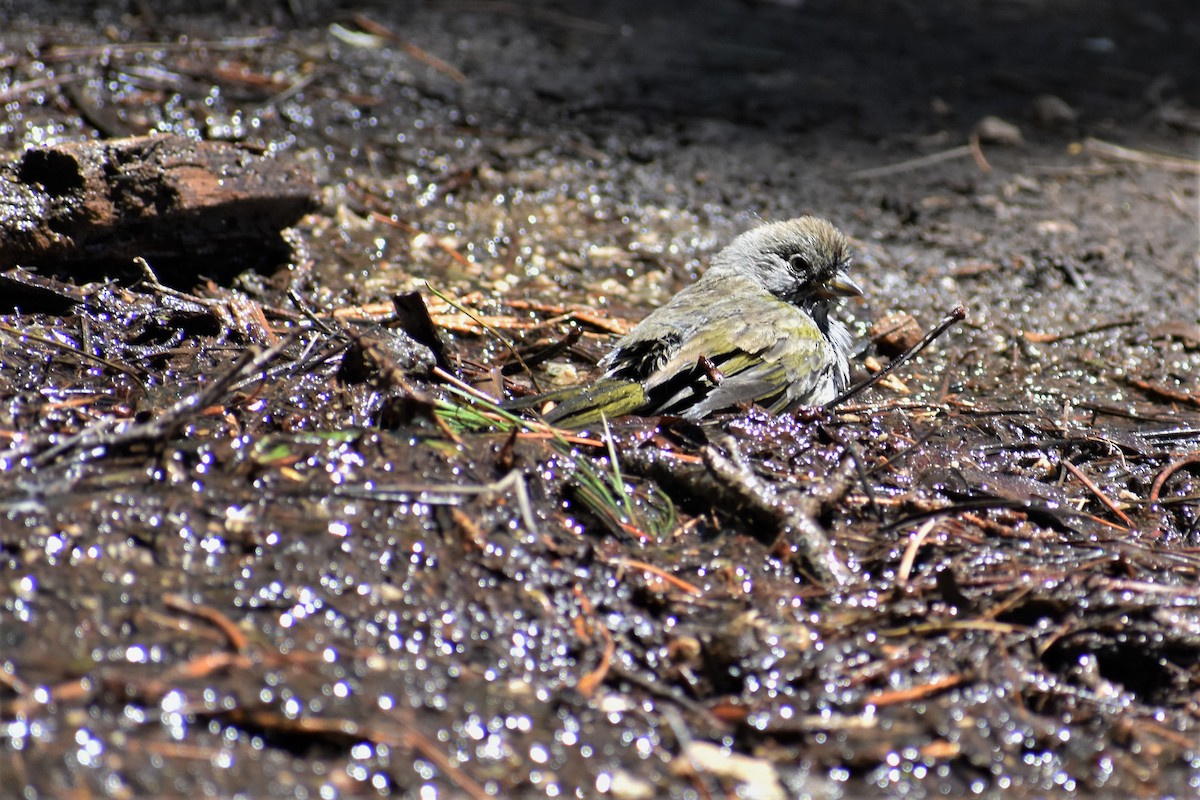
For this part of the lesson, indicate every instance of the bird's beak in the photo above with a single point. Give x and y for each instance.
(840, 285)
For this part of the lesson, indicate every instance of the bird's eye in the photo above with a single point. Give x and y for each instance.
(799, 263)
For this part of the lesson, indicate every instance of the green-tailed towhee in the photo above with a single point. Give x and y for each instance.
(755, 328)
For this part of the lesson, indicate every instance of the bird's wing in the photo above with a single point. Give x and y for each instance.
(767, 352)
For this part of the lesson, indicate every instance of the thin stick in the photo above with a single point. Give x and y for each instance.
(954, 316)
(662, 574)
(860, 468)
(425, 57)
(504, 340)
(237, 640)
(60, 53)
(910, 552)
(1117, 153)
(1094, 489)
(319, 323)
(977, 154)
(464, 386)
(913, 693)
(913, 163)
(17, 91)
(1164, 476)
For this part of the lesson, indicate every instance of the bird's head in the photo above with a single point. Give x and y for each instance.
(801, 260)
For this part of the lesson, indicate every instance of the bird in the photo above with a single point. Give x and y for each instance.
(756, 327)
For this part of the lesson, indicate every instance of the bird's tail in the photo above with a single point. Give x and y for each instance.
(581, 406)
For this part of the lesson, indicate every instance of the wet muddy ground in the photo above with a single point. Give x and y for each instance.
(260, 537)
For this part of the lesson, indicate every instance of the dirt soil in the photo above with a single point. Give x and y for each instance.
(258, 538)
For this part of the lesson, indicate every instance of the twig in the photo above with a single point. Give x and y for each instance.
(464, 386)
(149, 278)
(913, 163)
(204, 665)
(949, 625)
(291, 90)
(677, 582)
(588, 684)
(583, 314)
(1100, 495)
(1049, 338)
(1165, 475)
(910, 552)
(657, 687)
(860, 467)
(1164, 393)
(425, 57)
(1144, 587)
(954, 316)
(65, 692)
(478, 537)
(501, 338)
(59, 53)
(237, 639)
(21, 89)
(988, 503)
(798, 527)
(1117, 153)
(909, 405)
(449, 495)
(977, 153)
(311, 315)
(515, 480)
(913, 693)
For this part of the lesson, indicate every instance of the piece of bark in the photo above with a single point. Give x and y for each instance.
(81, 205)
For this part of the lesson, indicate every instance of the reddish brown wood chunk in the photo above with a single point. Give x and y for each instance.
(160, 197)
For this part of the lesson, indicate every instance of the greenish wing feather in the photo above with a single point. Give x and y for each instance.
(771, 353)
(585, 405)
(782, 376)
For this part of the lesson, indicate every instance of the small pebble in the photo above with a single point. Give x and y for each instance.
(994, 130)
(1053, 112)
